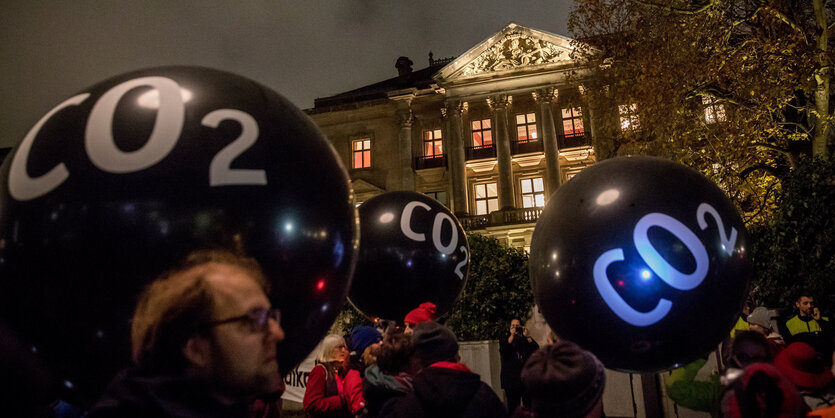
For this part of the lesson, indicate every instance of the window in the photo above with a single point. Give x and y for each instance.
(440, 196)
(533, 193)
(714, 111)
(486, 198)
(628, 117)
(482, 135)
(432, 143)
(526, 127)
(572, 122)
(362, 153)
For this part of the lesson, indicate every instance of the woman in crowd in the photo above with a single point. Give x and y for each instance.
(324, 395)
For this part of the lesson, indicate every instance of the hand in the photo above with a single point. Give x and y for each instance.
(525, 332)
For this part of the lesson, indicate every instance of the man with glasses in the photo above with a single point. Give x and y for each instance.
(203, 343)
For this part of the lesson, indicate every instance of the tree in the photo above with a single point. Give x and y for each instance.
(497, 290)
(796, 249)
(738, 89)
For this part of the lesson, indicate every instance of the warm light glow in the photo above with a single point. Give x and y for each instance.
(150, 99)
(608, 196)
(386, 217)
(320, 285)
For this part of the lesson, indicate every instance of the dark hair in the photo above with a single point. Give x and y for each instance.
(178, 305)
(750, 347)
(395, 353)
(804, 293)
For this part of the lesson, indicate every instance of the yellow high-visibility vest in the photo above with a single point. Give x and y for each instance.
(741, 325)
(795, 325)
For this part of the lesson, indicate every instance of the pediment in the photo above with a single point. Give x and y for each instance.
(513, 49)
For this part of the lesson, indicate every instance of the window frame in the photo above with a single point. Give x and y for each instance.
(363, 151)
(487, 197)
(573, 117)
(527, 124)
(480, 132)
(533, 193)
(435, 141)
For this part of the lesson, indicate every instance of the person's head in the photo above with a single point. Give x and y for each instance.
(364, 342)
(564, 380)
(210, 318)
(396, 354)
(424, 312)
(749, 347)
(804, 367)
(433, 343)
(333, 348)
(760, 321)
(804, 303)
(762, 391)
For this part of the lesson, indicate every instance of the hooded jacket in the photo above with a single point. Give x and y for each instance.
(446, 390)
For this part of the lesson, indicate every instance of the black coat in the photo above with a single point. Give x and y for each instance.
(514, 355)
(442, 392)
(132, 395)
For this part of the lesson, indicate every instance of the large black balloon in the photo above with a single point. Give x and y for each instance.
(642, 261)
(412, 250)
(124, 179)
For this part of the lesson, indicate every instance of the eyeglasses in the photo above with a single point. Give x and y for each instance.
(256, 320)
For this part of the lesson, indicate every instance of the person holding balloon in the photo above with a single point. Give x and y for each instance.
(324, 395)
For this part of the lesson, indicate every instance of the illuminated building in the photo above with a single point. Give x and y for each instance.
(491, 133)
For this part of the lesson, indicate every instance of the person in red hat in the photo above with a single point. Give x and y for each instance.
(424, 312)
(808, 372)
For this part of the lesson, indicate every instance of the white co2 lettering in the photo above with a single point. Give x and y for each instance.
(104, 154)
(668, 273)
(440, 218)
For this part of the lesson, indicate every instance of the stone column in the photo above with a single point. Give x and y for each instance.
(544, 98)
(406, 172)
(456, 161)
(498, 104)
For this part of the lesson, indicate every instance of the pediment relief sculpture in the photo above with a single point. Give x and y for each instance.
(513, 51)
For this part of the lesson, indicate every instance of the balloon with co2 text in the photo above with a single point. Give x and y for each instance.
(119, 182)
(412, 250)
(642, 261)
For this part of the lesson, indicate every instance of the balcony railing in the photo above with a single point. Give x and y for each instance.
(574, 141)
(477, 153)
(532, 145)
(501, 217)
(430, 162)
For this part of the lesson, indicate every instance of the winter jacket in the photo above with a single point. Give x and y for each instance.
(446, 390)
(323, 395)
(133, 394)
(379, 388)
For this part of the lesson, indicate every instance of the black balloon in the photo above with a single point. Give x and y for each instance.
(412, 250)
(121, 181)
(642, 261)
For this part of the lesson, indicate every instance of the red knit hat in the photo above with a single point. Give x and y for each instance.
(424, 312)
(803, 366)
(762, 391)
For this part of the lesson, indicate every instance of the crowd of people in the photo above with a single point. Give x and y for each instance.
(204, 344)
(767, 368)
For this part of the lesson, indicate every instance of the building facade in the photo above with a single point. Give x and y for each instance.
(491, 134)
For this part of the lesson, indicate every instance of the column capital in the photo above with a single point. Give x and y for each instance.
(405, 118)
(545, 95)
(453, 108)
(499, 101)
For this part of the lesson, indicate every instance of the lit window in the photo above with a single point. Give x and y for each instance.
(482, 135)
(362, 153)
(628, 117)
(572, 122)
(440, 196)
(526, 127)
(714, 111)
(486, 198)
(533, 193)
(432, 143)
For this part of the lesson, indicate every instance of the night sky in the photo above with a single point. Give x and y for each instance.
(302, 49)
